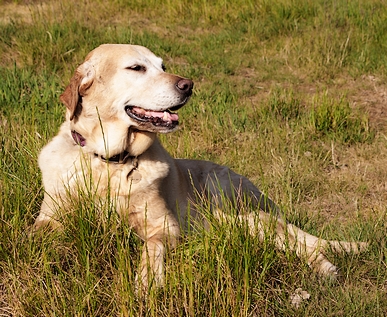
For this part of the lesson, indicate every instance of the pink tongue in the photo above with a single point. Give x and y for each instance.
(165, 115)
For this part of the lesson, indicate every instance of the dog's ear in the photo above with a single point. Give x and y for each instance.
(79, 83)
(140, 141)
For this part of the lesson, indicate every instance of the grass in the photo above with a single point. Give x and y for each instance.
(288, 93)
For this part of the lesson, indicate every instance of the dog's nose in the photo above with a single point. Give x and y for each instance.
(185, 86)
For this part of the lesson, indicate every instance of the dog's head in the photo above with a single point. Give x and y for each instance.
(121, 96)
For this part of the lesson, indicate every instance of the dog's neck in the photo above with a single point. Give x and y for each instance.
(120, 158)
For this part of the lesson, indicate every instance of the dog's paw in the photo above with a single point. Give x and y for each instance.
(322, 266)
(147, 280)
(45, 221)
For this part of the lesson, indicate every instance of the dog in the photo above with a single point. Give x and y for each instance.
(117, 101)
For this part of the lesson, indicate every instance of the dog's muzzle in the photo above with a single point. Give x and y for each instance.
(161, 121)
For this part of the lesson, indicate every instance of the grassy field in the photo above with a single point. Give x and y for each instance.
(288, 93)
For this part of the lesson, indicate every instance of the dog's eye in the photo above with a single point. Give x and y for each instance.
(137, 68)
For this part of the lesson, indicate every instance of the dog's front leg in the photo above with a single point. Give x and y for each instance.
(153, 254)
(152, 262)
(48, 214)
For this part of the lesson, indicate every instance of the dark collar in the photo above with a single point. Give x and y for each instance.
(121, 158)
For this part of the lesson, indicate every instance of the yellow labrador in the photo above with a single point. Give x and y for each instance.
(117, 101)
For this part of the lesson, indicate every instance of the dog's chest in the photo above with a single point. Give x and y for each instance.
(112, 179)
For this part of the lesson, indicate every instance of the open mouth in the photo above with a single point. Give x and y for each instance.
(160, 120)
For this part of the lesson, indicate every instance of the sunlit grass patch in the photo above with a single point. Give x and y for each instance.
(280, 95)
(337, 120)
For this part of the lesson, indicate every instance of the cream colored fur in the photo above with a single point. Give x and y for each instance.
(111, 78)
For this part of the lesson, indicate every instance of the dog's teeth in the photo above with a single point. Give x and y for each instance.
(166, 116)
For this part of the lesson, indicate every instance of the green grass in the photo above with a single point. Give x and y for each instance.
(288, 93)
